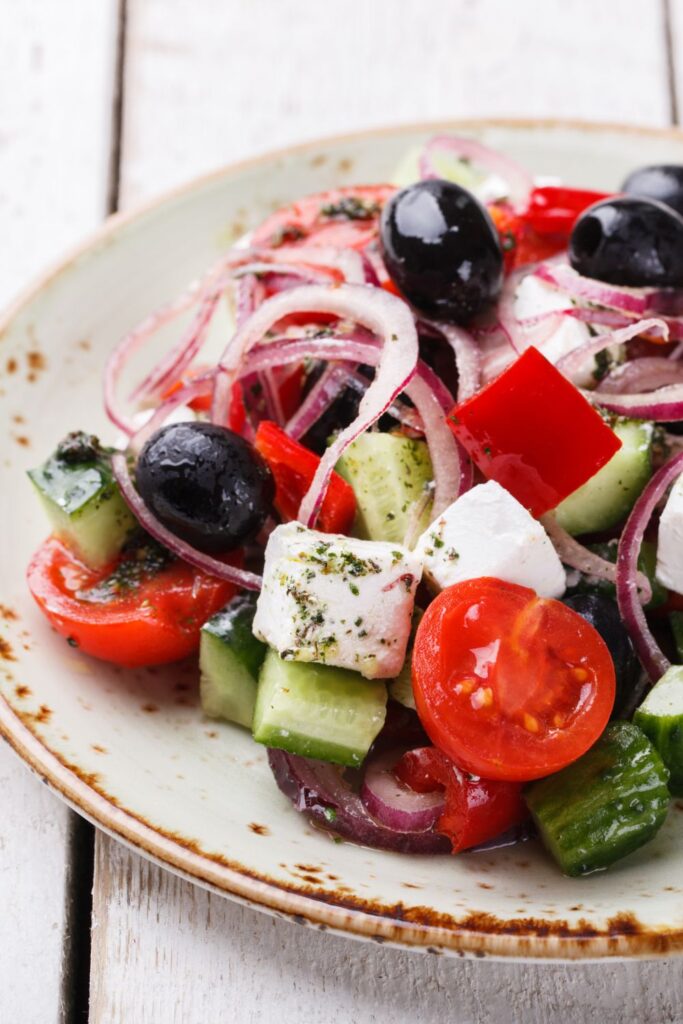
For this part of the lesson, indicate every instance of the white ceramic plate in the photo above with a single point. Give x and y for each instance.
(130, 750)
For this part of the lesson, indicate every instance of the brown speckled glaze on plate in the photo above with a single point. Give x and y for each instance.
(130, 750)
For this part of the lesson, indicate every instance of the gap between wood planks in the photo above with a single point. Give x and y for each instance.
(76, 953)
(670, 51)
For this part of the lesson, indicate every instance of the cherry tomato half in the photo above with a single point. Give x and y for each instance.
(147, 609)
(476, 810)
(507, 684)
(345, 218)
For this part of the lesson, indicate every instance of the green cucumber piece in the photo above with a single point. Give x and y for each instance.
(660, 716)
(318, 711)
(388, 473)
(401, 688)
(230, 658)
(647, 563)
(604, 806)
(607, 498)
(82, 500)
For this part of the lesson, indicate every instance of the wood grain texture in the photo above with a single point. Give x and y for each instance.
(237, 78)
(55, 100)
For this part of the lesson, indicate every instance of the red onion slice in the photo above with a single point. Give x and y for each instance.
(587, 562)
(629, 300)
(575, 361)
(517, 177)
(321, 396)
(372, 308)
(212, 566)
(651, 656)
(646, 374)
(320, 792)
(395, 805)
(467, 357)
(664, 404)
(444, 451)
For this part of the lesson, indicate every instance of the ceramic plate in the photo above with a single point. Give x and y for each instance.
(131, 750)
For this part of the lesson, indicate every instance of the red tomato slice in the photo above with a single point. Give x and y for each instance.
(509, 685)
(476, 811)
(293, 467)
(534, 432)
(345, 218)
(130, 614)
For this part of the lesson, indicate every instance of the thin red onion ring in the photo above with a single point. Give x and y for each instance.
(328, 386)
(663, 405)
(467, 356)
(651, 656)
(587, 562)
(373, 308)
(517, 177)
(575, 360)
(629, 300)
(395, 805)
(645, 374)
(212, 566)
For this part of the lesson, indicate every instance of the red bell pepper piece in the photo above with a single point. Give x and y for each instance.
(534, 432)
(476, 810)
(293, 468)
(552, 210)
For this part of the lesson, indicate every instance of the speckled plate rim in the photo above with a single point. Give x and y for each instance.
(473, 936)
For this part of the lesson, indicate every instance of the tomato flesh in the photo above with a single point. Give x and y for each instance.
(293, 468)
(534, 432)
(476, 810)
(345, 218)
(130, 618)
(509, 685)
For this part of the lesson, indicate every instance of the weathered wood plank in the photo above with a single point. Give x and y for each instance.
(235, 79)
(56, 65)
(231, 80)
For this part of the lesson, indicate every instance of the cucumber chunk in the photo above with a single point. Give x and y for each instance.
(388, 473)
(82, 500)
(230, 658)
(401, 688)
(317, 711)
(660, 716)
(607, 498)
(604, 806)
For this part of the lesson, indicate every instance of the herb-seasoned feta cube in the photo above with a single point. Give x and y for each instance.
(670, 541)
(487, 532)
(337, 600)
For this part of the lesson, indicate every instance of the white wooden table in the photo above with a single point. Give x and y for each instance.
(102, 104)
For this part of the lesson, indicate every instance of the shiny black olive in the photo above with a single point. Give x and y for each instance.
(205, 484)
(664, 183)
(629, 241)
(442, 250)
(603, 614)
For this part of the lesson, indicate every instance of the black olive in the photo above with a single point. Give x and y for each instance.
(442, 250)
(206, 484)
(603, 614)
(664, 183)
(629, 241)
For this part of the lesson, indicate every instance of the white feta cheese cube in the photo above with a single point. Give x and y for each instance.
(534, 297)
(337, 600)
(669, 570)
(486, 532)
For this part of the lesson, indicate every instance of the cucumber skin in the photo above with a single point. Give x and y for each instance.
(604, 806)
(230, 658)
(666, 734)
(607, 498)
(85, 507)
(282, 682)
